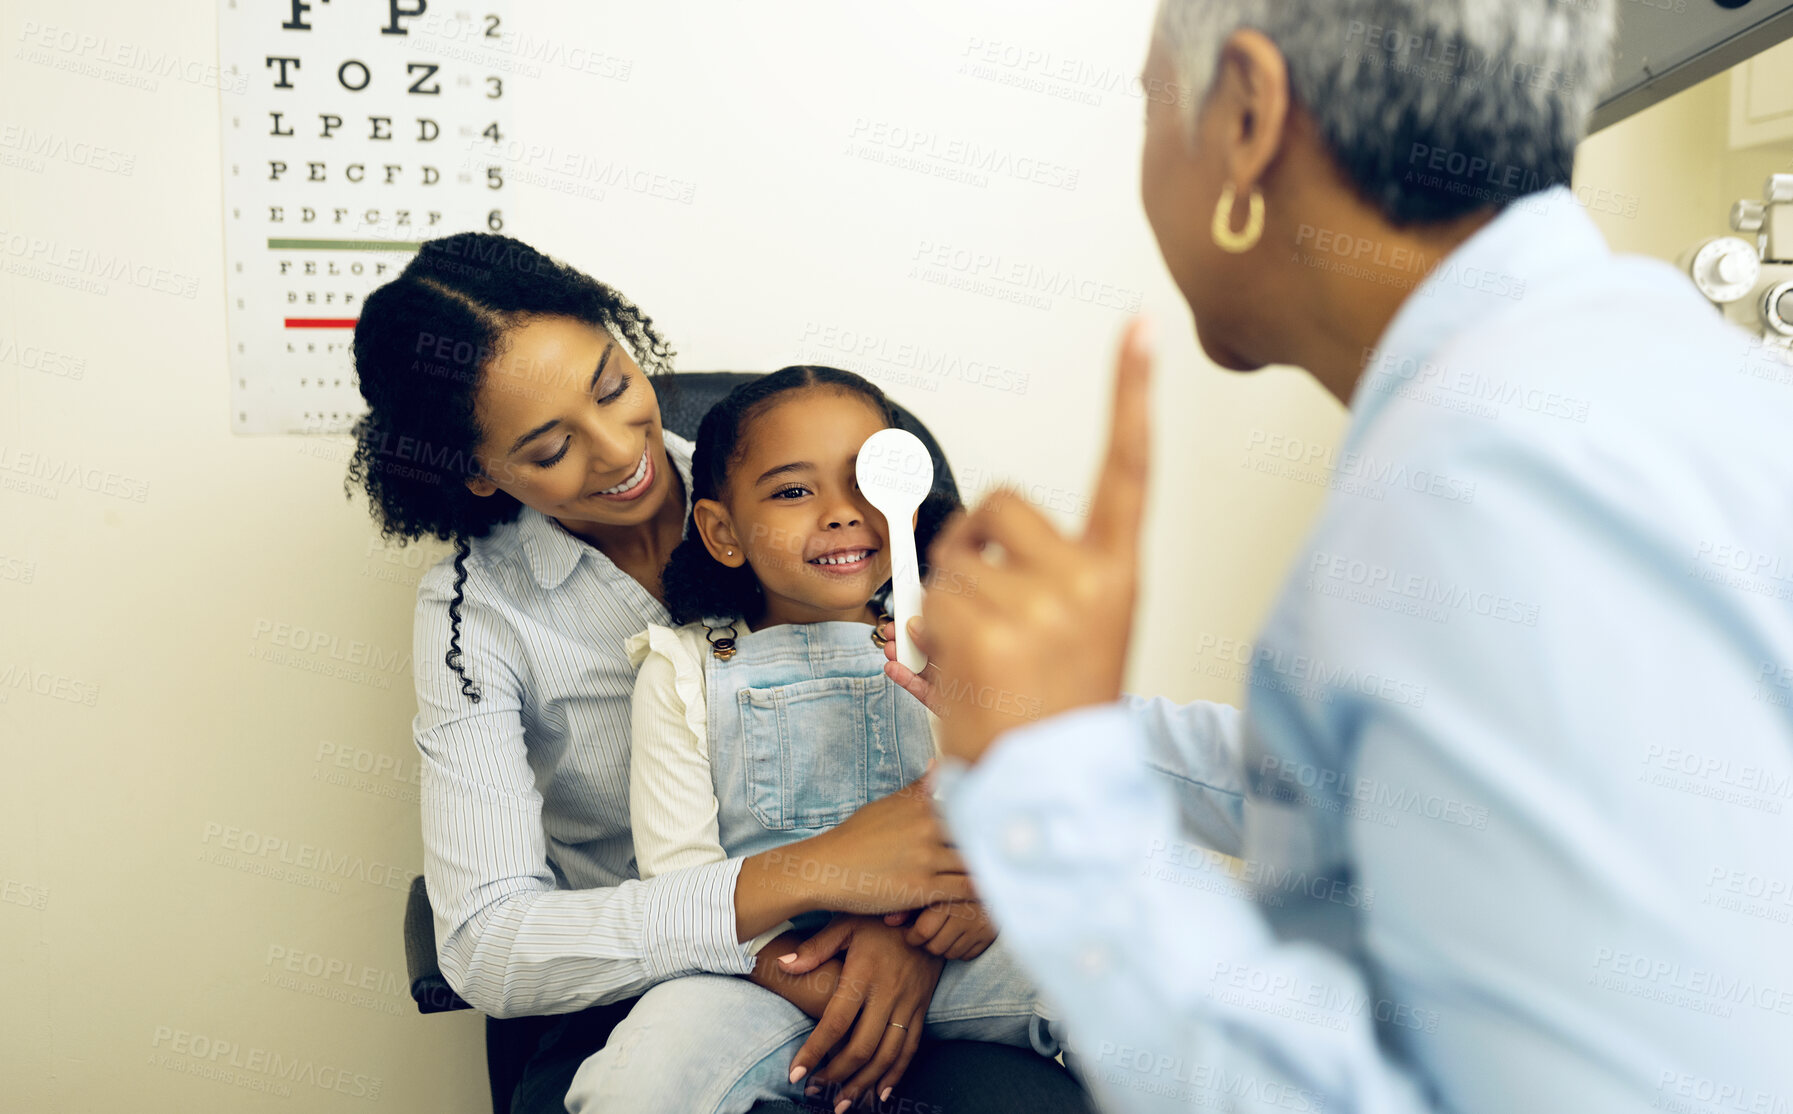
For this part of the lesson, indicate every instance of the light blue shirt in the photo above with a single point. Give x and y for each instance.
(1510, 793)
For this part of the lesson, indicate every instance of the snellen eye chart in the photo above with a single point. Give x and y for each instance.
(352, 130)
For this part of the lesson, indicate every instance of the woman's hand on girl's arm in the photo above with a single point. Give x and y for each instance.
(881, 996)
(890, 854)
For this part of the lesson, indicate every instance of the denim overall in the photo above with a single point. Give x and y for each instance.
(804, 728)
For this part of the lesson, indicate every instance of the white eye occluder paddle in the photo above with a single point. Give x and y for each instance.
(896, 473)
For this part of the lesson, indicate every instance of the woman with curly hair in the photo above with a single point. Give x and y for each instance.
(512, 412)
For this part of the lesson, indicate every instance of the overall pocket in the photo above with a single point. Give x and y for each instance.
(817, 750)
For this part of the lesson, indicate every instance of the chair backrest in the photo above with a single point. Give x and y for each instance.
(686, 396)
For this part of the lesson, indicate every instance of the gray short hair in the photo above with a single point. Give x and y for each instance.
(1434, 108)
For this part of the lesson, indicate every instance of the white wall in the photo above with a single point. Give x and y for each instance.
(142, 584)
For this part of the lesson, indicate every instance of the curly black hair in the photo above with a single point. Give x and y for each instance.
(696, 585)
(422, 346)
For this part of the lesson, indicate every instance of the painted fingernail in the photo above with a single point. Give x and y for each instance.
(788, 958)
(843, 1106)
(884, 1095)
(798, 1072)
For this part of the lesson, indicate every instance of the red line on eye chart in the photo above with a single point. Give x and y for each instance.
(320, 322)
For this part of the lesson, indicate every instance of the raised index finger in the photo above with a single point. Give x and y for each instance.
(1119, 505)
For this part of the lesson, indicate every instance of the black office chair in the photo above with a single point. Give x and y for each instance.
(972, 1076)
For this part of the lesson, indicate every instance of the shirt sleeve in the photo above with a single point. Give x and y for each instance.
(672, 794)
(1074, 842)
(1198, 750)
(508, 939)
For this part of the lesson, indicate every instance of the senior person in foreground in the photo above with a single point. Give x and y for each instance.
(1509, 793)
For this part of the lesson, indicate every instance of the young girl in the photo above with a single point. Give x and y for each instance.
(766, 716)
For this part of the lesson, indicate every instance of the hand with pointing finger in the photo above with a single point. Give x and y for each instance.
(1046, 630)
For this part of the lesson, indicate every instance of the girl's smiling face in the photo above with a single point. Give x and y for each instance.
(793, 510)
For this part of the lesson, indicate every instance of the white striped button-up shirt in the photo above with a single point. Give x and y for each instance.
(528, 854)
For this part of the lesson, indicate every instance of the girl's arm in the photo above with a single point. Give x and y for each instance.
(672, 797)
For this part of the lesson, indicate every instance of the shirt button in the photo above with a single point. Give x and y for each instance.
(1094, 959)
(1019, 838)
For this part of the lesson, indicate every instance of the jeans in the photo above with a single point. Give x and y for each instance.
(717, 1044)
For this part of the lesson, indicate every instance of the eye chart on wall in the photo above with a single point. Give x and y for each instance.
(365, 128)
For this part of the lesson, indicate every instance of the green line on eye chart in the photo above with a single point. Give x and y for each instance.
(346, 245)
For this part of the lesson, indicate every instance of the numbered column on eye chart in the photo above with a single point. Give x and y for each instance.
(353, 130)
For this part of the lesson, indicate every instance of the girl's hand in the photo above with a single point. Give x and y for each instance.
(920, 686)
(954, 930)
(882, 996)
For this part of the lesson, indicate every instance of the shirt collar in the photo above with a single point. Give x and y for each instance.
(1499, 269)
(553, 553)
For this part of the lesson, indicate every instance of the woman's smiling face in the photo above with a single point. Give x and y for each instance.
(794, 511)
(572, 426)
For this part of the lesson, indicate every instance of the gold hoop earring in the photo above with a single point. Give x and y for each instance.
(1238, 243)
